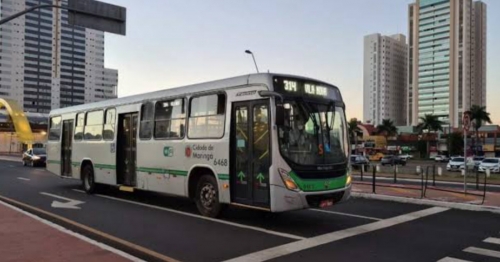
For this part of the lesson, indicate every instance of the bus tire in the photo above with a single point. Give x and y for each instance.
(88, 181)
(207, 196)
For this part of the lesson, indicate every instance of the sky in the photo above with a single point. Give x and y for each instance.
(174, 43)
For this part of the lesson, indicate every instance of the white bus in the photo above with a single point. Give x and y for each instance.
(265, 141)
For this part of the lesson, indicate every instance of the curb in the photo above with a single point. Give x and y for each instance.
(460, 206)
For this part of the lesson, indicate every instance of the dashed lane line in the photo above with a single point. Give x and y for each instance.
(297, 246)
(482, 251)
(345, 214)
(492, 240)
(23, 178)
(451, 259)
(267, 231)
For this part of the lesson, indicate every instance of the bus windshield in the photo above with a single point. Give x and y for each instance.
(313, 133)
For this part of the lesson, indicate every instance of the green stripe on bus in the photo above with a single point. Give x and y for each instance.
(75, 163)
(178, 172)
(152, 170)
(223, 176)
(309, 185)
(53, 161)
(105, 166)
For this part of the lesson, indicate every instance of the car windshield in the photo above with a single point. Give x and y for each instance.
(313, 133)
(458, 159)
(490, 160)
(39, 151)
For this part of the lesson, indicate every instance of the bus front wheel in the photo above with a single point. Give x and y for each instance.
(207, 196)
(88, 179)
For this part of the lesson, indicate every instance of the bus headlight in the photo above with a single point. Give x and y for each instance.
(36, 157)
(348, 180)
(289, 183)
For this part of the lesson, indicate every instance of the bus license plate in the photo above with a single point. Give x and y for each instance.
(326, 203)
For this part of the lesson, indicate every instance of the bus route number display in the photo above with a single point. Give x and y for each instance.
(300, 88)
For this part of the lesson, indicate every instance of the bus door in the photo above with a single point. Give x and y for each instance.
(66, 148)
(126, 149)
(250, 153)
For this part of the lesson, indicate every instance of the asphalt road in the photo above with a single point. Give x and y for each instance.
(359, 230)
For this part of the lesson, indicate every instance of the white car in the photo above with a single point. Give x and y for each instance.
(456, 164)
(493, 164)
(441, 158)
(406, 156)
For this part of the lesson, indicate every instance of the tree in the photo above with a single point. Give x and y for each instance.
(430, 123)
(387, 128)
(456, 142)
(478, 116)
(353, 131)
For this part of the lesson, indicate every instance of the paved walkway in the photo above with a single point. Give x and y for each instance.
(24, 238)
(432, 193)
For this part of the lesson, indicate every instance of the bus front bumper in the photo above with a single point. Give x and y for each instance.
(301, 200)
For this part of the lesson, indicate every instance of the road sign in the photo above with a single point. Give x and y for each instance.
(97, 15)
(466, 122)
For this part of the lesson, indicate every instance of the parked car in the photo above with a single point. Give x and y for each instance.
(35, 157)
(358, 160)
(406, 157)
(376, 157)
(441, 158)
(456, 164)
(392, 160)
(477, 161)
(493, 164)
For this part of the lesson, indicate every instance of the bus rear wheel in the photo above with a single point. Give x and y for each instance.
(207, 196)
(88, 180)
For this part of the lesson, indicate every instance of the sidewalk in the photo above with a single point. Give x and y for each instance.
(414, 191)
(24, 238)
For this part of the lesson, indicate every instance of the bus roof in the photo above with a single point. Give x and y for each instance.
(258, 78)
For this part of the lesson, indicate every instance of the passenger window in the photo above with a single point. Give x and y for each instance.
(170, 118)
(80, 123)
(206, 116)
(109, 124)
(55, 128)
(93, 125)
(147, 117)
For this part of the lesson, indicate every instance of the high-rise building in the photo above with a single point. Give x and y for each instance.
(447, 58)
(385, 78)
(46, 63)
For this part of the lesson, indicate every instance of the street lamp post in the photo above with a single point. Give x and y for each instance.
(250, 52)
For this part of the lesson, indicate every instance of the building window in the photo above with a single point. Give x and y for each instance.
(170, 118)
(207, 116)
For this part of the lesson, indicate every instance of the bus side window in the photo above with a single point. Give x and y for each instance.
(80, 122)
(170, 119)
(207, 116)
(93, 125)
(109, 124)
(55, 128)
(147, 117)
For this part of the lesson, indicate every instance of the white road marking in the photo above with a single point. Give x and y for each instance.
(23, 178)
(345, 214)
(71, 233)
(297, 246)
(450, 259)
(482, 251)
(271, 232)
(71, 204)
(492, 240)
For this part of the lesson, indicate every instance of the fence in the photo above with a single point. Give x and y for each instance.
(420, 184)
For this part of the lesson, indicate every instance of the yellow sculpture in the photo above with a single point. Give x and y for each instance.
(21, 124)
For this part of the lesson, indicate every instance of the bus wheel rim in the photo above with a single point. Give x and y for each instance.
(207, 196)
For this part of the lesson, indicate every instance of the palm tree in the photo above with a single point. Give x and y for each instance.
(387, 128)
(478, 115)
(430, 123)
(353, 131)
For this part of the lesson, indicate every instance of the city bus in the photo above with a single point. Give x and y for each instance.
(266, 141)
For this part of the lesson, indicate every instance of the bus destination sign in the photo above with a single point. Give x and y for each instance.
(298, 87)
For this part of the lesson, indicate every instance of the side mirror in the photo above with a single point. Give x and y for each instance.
(280, 114)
